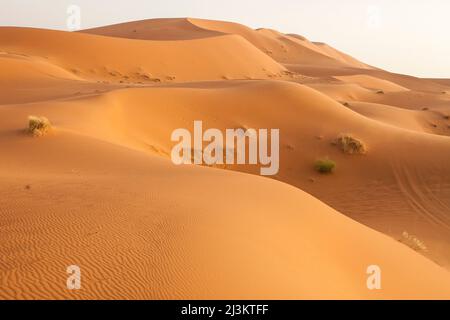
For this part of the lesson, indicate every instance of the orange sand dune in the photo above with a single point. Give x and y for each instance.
(409, 82)
(100, 191)
(18, 67)
(282, 48)
(373, 83)
(28, 79)
(398, 117)
(309, 122)
(338, 55)
(428, 120)
(445, 82)
(135, 61)
(381, 88)
(136, 227)
(407, 165)
(156, 29)
(343, 91)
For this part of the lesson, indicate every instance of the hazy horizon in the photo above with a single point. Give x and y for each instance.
(408, 37)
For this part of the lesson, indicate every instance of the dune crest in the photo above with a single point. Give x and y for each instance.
(100, 58)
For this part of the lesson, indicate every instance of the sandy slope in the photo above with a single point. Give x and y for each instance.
(138, 230)
(283, 48)
(407, 170)
(135, 61)
(101, 192)
(338, 55)
(373, 83)
(397, 117)
(156, 29)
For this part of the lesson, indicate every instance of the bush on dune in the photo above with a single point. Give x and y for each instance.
(38, 126)
(325, 165)
(350, 145)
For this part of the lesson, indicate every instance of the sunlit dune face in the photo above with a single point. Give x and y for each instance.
(188, 158)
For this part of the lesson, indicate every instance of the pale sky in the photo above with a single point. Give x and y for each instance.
(405, 36)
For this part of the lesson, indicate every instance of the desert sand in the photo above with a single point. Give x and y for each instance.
(100, 190)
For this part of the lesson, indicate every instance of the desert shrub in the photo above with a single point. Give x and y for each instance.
(350, 145)
(38, 126)
(413, 242)
(325, 165)
(380, 92)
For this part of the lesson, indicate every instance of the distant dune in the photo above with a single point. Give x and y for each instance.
(100, 190)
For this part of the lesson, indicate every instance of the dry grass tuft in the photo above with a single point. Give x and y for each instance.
(38, 126)
(350, 145)
(413, 242)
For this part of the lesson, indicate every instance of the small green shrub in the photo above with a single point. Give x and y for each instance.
(325, 165)
(38, 126)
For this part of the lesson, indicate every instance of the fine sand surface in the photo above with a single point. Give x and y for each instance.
(101, 192)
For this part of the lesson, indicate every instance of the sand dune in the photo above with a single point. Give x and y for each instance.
(344, 91)
(427, 120)
(100, 190)
(102, 58)
(309, 121)
(139, 231)
(31, 78)
(19, 67)
(397, 117)
(282, 48)
(156, 29)
(373, 83)
(338, 55)
(412, 83)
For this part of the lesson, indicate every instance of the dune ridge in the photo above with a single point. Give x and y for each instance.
(92, 58)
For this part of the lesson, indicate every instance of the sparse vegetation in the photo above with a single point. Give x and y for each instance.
(325, 165)
(350, 145)
(38, 126)
(290, 147)
(413, 242)
(380, 92)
